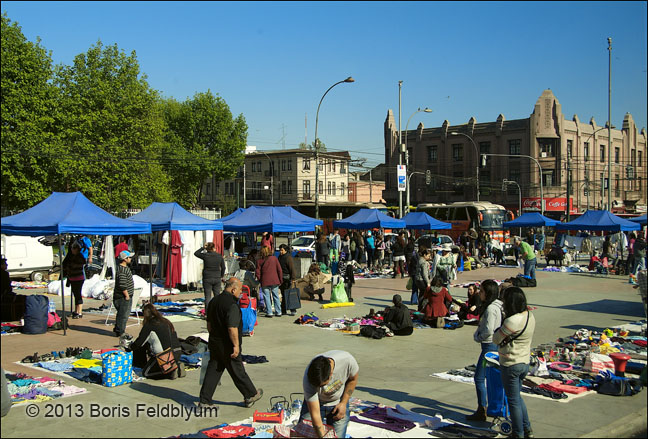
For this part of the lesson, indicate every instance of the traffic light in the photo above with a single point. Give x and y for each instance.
(428, 177)
(629, 172)
(482, 163)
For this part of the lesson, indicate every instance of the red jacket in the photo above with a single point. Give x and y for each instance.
(436, 306)
(269, 272)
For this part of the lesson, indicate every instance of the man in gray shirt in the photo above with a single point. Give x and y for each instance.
(329, 382)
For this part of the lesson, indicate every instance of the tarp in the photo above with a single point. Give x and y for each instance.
(596, 220)
(423, 221)
(234, 214)
(265, 219)
(172, 216)
(531, 219)
(69, 212)
(366, 219)
(639, 219)
(296, 215)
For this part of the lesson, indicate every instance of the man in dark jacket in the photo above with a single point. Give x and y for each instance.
(288, 275)
(225, 327)
(398, 318)
(123, 294)
(213, 270)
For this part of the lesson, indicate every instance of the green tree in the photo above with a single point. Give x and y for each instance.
(203, 140)
(321, 144)
(28, 102)
(112, 131)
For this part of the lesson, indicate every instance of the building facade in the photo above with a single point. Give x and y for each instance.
(282, 177)
(569, 152)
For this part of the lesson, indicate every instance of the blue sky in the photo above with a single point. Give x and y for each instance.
(273, 61)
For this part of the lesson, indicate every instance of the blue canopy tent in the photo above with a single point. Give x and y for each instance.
(366, 219)
(531, 219)
(296, 215)
(265, 219)
(233, 215)
(68, 212)
(423, 221)
(171, 216)
(640, 219)
(598, 220)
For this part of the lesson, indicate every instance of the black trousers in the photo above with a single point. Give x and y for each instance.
(220, 361)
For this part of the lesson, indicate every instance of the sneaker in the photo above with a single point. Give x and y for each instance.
(528, 433)
(250, 402)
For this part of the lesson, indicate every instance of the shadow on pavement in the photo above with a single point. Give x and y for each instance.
(606, 306)
(426, 406)
(165, 393)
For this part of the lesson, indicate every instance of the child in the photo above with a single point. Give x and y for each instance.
(349, 279)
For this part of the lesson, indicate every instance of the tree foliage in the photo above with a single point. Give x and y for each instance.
(322, 145)
(28, 102)
(203, 140)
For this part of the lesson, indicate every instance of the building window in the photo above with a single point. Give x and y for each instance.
(570, 149)
(289, 164)
(306, 164)
(514, 147)
(328, 188)
(457, 153)
(342, 188)
(484, 147)
(640, 156)
(306, 188)
(548, 177)
(321, 187)
(253, 166)
(586, 151)
(216, 188)
(333, 186)
(432, 154)
(284, 185)
(333, 166)
(321, 165)
(602, 150)
(633, 157)
(458, 184)
(546, 148)
(616, 155)
(342, 168)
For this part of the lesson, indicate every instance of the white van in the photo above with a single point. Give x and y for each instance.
(26, 257)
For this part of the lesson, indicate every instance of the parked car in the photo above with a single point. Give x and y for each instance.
(427, 239)
(27, 257)
(304, 243)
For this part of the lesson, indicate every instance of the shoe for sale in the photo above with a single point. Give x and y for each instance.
(250, 402)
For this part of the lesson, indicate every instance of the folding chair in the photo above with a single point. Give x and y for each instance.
(136, 296)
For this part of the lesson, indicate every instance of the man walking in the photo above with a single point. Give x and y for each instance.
(329, 382)
(225, 328)
(528, 256)
(123, 293)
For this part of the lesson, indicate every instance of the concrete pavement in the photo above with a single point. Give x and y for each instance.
(392, 371)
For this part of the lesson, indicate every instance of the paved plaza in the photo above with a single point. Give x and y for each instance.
(392, 370)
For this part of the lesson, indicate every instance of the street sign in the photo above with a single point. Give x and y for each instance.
(401, 173)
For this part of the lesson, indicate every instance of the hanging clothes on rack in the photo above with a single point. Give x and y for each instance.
(174, 262)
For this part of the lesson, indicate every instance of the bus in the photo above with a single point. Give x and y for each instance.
(482, 215)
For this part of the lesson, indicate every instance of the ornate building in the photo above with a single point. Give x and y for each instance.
(561, 147)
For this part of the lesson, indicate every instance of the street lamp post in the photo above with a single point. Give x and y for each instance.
(349, 79)
(407, 186)
(609, 202)
(608, 126)
(476, 158)
(507, 182)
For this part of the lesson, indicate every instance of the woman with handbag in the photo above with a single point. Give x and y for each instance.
(514, 340)
(156, 347)
(491, 319)
(288, 278)
(73, 269)
(270, 275)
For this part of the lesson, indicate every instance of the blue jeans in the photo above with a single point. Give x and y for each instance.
(512, 377)
(480, 374)
(272, 299)
(530, 267)
(340, 425)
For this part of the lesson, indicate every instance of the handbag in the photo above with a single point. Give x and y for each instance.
(409, 284)
(293, 300)
(166, 361)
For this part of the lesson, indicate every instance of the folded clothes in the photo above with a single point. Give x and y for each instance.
(85, 375)
(55, 366)
(254, 359)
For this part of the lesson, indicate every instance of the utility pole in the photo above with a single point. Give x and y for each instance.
(569, 182)
(400, 152)
(609, 200)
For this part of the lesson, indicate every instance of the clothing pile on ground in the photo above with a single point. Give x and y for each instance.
(24, 388)
(102, 289)
(173, 311)
(367, 419)
(579, 364)
(28, 285)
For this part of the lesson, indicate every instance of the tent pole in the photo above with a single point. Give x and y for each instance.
(151, 264)
(62, 285)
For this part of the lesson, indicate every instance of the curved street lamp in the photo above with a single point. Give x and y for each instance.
(349, 79)
(407, 186)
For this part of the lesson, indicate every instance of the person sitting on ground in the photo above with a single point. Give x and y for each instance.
(157, 334)
(398, 318)
(314, 282)
(436, 300)
(470, 309)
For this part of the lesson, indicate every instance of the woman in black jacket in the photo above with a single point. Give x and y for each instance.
(73, 269)
(288, 270)
(398, 249)
(157, 334)
(398, 318)
(322, 249)
(213, 271)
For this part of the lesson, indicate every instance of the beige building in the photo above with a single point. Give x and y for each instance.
(283, 177)
(559, 145)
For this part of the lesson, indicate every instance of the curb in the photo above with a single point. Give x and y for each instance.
(632, 425)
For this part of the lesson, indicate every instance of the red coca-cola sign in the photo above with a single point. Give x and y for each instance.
(551, 204)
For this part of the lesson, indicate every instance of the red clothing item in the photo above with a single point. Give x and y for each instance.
(436, 303)
(269, 271)
(229, 431)
(122, 246)
(174, 263)
(268, 241)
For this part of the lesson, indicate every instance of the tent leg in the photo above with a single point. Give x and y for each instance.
(62, 285)
(151, 264)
